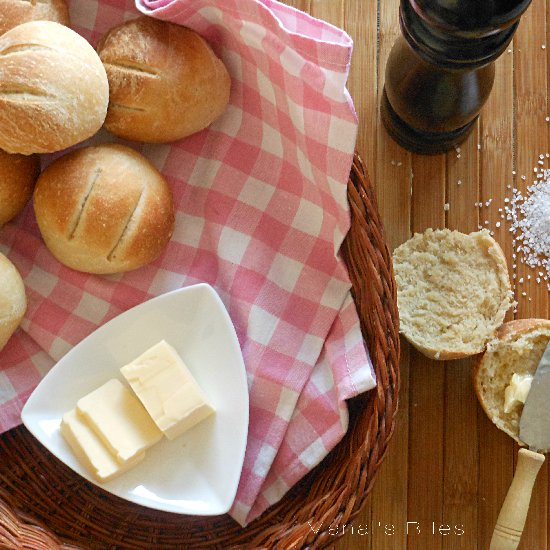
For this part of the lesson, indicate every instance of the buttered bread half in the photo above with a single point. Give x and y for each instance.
(503, 375)
(453, 291)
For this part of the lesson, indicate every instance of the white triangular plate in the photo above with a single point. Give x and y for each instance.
(198, 472)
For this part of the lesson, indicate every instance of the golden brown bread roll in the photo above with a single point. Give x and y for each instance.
(53, 88)
(16, 12)
(13, 302)
(165, 81)
(104, 209)
(18, 175)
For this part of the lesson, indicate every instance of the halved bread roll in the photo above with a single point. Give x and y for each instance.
(453, 291)
(516, 349)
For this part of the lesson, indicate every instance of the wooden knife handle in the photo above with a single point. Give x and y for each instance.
(511, 520)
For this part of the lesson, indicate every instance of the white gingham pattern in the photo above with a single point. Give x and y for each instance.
(261, 213)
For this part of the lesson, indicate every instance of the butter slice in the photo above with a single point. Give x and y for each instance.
(167, 389)
(89, 449)
(119, 420)
(516, 392)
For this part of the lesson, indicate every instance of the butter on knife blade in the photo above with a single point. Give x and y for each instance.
(534, 424)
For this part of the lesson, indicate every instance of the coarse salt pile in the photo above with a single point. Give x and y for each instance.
(529, 218)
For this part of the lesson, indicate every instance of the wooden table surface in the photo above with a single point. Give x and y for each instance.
(447, 464)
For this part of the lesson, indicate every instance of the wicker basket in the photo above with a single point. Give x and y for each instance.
(42, 502)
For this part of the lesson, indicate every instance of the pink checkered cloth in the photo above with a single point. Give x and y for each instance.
(261, 214)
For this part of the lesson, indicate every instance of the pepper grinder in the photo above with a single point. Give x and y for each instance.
(441, 69)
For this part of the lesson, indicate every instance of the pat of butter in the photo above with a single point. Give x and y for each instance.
(167, 389)
(89, 449)
(119, 420)
(516, 392)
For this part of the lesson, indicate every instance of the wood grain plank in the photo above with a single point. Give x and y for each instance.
(427, 380)
(393, 172)
(360, 21)
(531, 85)
(461, 450)
(331, 11)
(497, 162)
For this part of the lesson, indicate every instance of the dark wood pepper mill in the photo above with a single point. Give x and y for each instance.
(440, 71)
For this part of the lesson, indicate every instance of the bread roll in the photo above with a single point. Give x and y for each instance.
(53, 88)
(516, 349)
(16, 12)
(104, 209)
(18, 175)
(453, 291)
(165, 81)
(13, 302)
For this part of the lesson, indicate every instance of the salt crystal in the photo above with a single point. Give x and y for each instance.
(497, 224)
(529, 214)
(446, 207)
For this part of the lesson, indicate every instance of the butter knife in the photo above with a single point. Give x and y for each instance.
(534, 431)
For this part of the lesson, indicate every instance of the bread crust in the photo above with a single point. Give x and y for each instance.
(512, 330)
(18, 175)
(104, 209)
(13, 302)
(165, 81)
(53, 88)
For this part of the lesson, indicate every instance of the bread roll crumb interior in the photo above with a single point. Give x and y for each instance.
(453, 291)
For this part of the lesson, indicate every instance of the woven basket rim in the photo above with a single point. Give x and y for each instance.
(35, 490)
